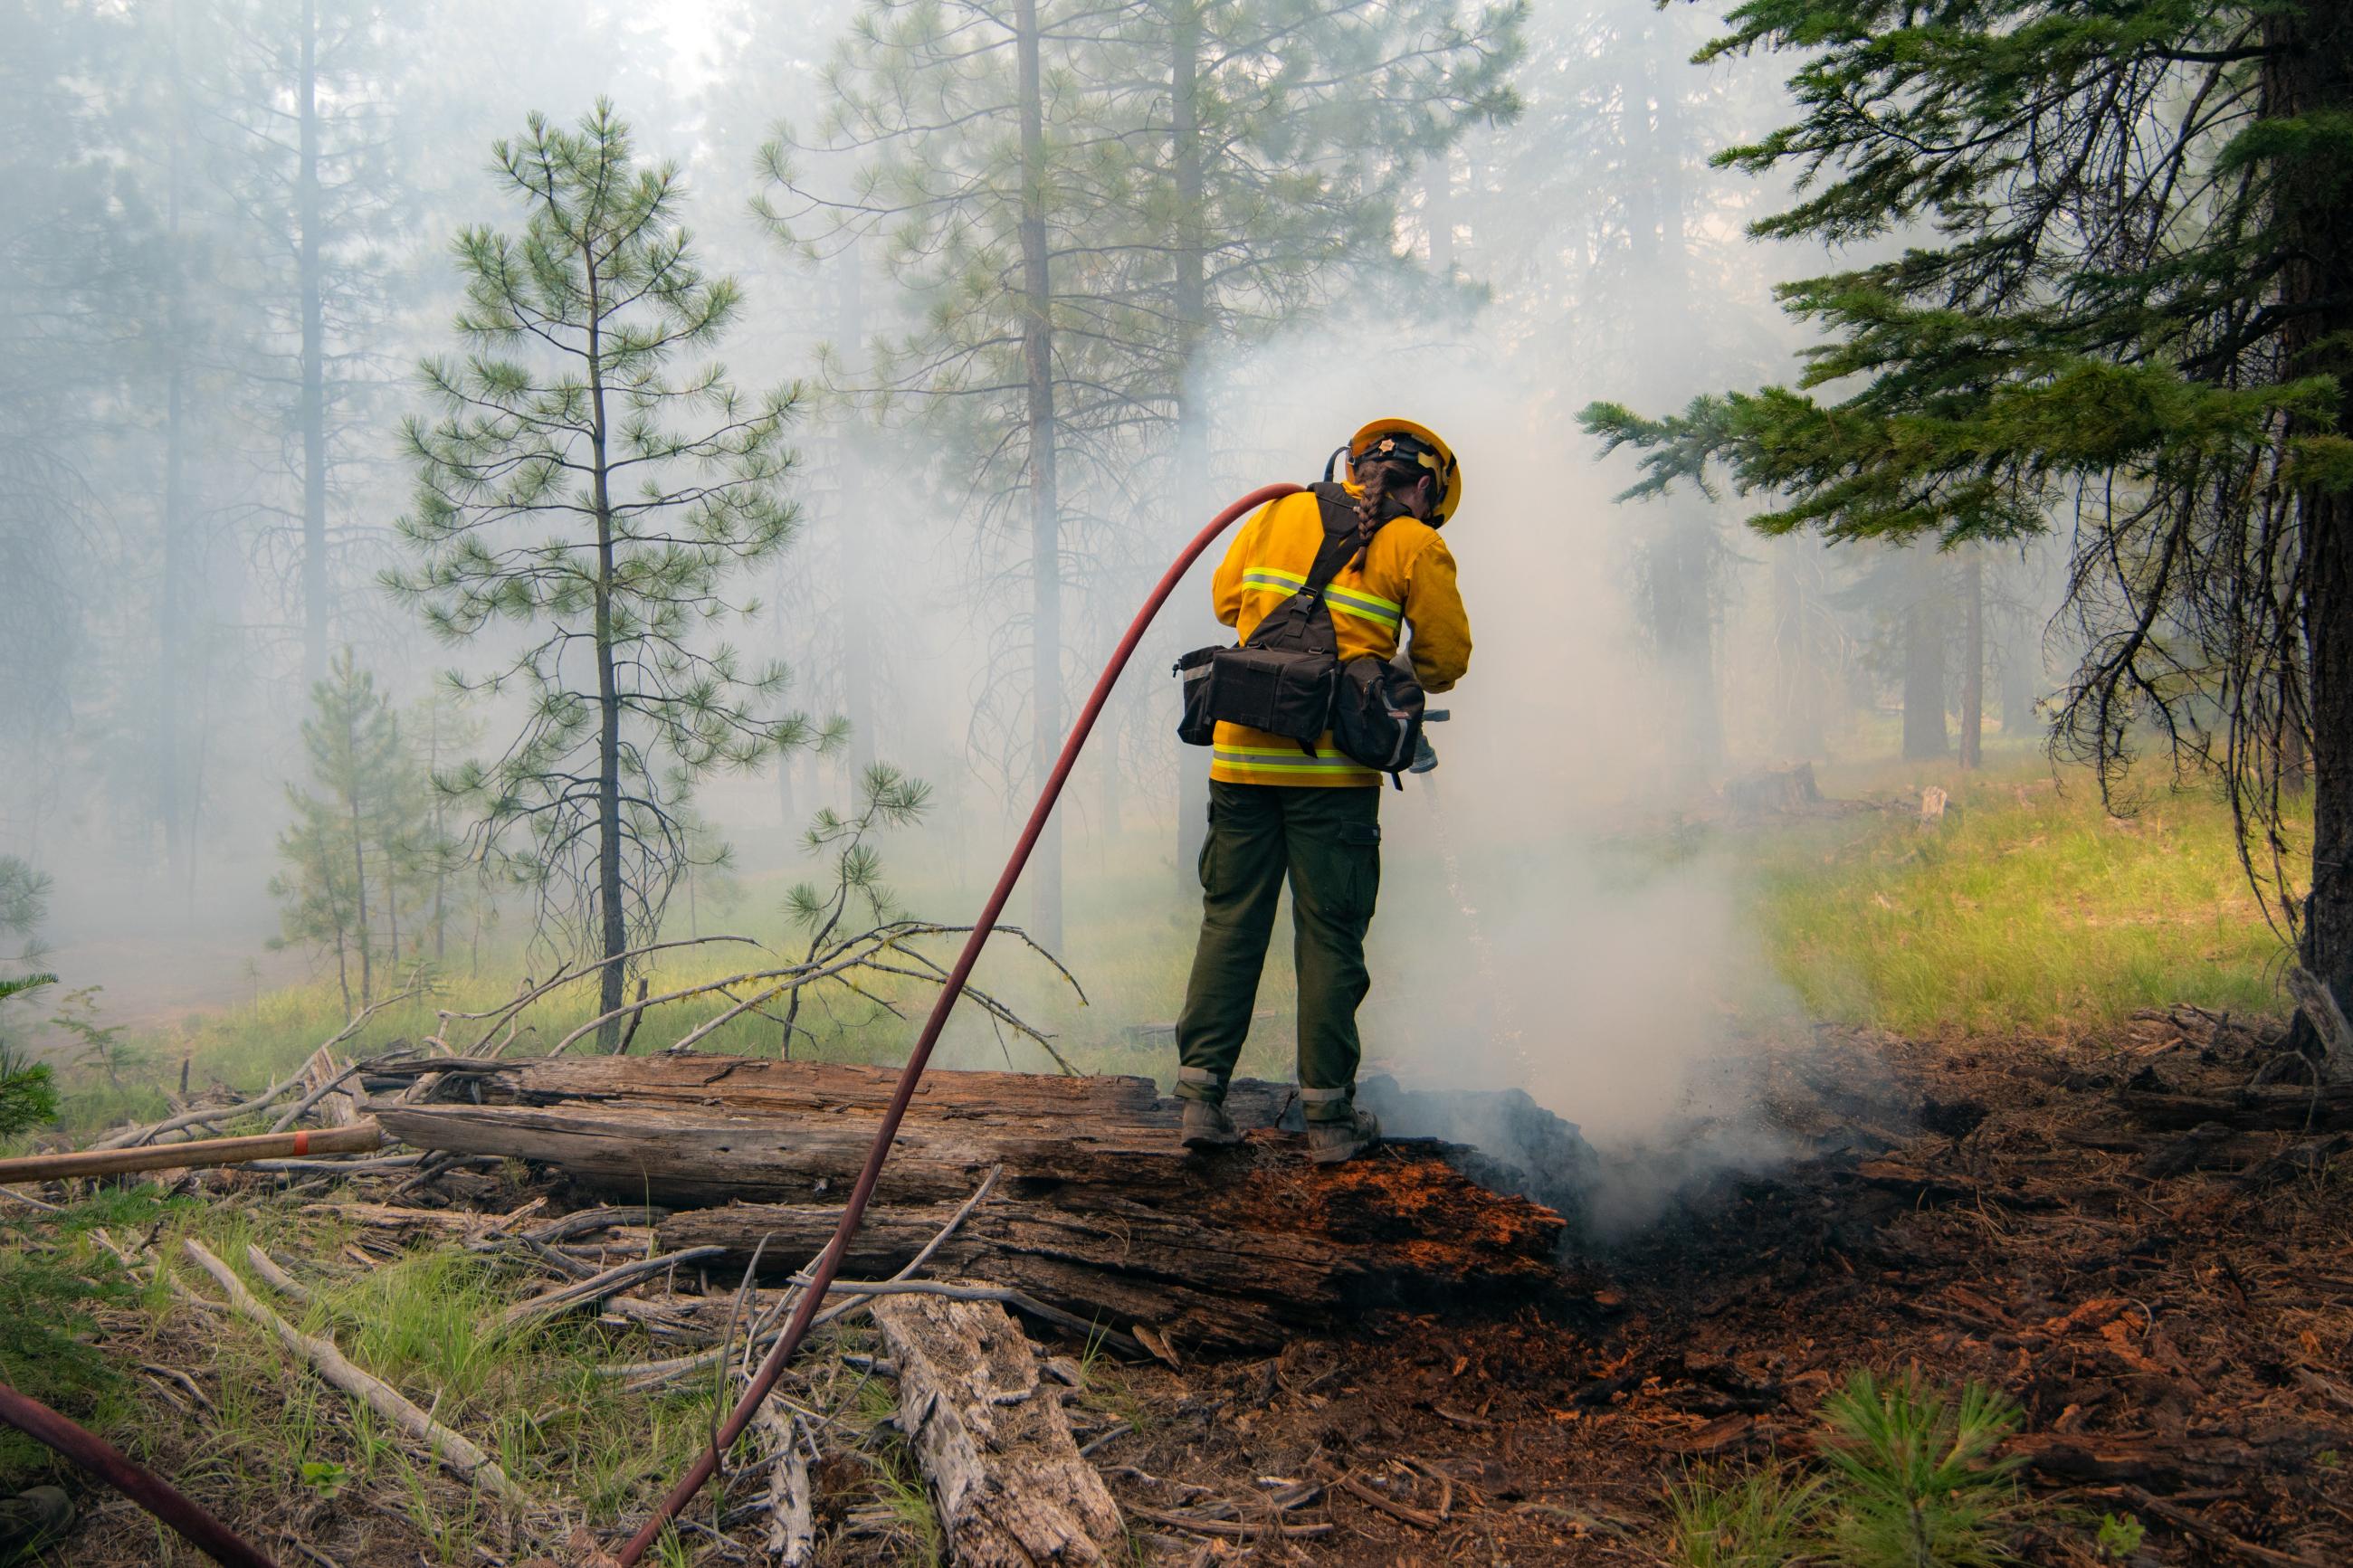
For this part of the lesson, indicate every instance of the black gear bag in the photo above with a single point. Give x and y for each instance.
(1287, 679)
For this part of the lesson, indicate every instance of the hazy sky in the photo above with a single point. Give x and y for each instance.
(692, 26)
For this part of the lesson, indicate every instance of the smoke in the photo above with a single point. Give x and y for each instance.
(1544, 924)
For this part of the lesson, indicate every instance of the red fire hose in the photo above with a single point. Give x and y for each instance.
(103, 1459)
(828, 1263)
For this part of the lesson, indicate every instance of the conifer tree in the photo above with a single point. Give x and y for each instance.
(349, 852)
(308, 86)
(2130, 299)
(581, 487)
(1084, 198)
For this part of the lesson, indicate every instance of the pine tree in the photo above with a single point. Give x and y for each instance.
(2130, 299)
(580, 489)
(1084, 202)
(308, 86)
(348, 855)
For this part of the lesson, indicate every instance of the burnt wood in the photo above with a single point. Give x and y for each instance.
(1099, 1209)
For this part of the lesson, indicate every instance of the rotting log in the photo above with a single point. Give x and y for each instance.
(693, 1129)
(992, 1440)
(1099, 1210)
(1265, 1245)
(688, 1129)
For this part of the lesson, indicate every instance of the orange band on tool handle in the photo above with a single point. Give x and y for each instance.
(301, 1143)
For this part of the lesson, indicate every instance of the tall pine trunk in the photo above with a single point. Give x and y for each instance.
(177, 554)
(1045, 507)
(2309, 72)
(613, 922)
(354, 787)
(439, 843)
(1797, 683)
(1682, 547)
(314, 369)
(1924, 738)
(1192, 303)
(1973, 660)
(2021, 676)
(859, 618)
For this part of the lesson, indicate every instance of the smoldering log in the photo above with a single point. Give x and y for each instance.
(1100, 1210)
(1270, 1246)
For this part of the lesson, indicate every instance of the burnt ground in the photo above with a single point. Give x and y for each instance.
(2174, 1314)
(2179, 1342)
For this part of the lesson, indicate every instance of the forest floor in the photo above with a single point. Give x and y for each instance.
(2176, 1343)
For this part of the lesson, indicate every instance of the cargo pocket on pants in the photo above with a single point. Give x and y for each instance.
(1360, 878)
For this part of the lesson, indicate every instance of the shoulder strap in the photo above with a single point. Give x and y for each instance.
(1344, 535)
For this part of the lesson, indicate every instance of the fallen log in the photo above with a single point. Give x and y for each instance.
(690, 1129)
(1100, 1211)
(1275, 1247)
(992, 1440)
(2274, 1107)
(357, 1139)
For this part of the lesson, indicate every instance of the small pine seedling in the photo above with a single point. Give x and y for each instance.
(1915, 1483)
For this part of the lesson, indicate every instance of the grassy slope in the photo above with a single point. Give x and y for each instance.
(2036, 911)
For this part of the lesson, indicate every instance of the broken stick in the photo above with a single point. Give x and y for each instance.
(791, 1519)
(597, 1287)
(993, 1440)
(467, 1462)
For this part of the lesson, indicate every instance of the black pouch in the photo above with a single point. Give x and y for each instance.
(1198, 724)
(1285, 678)
(1279, 690)
(1377, 715)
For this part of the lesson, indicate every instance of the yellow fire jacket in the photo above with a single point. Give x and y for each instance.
(1407, 579)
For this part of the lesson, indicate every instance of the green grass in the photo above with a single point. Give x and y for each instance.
(2035, 912)
(428, 1322)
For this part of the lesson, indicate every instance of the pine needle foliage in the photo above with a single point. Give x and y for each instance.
(1915, 1482)
(2123, 301)
(1908, 1478)
(585, 494)
(356, 850)
(28, 1092)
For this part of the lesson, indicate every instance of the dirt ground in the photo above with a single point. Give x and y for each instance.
(2179, 1343)
(2174, 1314)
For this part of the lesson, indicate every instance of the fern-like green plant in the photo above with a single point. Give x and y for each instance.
(1756, 1518)
(1915, 1480)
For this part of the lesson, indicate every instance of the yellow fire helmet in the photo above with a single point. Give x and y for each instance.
(1403, 440)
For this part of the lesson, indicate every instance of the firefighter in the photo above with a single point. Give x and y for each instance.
(1277, 812)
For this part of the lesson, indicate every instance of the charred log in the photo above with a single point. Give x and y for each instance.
(1099, 1210)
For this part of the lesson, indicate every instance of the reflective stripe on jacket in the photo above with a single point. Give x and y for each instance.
(1406, 580)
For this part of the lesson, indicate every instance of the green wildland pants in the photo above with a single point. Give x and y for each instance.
(1328, 842)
